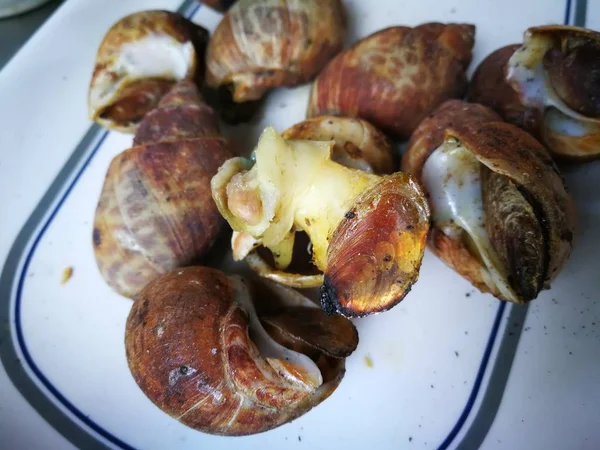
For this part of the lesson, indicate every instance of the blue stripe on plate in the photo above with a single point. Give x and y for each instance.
(116, 441)
(18, 327)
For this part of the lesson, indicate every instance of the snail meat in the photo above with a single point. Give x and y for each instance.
(155, 211)
(367, 232)
(501, 215)
(395, 77)
(230, 356)
(140, 58)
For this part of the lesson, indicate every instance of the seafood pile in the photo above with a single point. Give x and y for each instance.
(329, 203)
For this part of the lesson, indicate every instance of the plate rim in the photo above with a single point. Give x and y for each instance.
(82, 431)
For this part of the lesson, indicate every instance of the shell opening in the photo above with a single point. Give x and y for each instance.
(452, 176)
(295, 367)
(141, 74)
(531, 78)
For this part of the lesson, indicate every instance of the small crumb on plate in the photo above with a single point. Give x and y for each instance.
(66, 274)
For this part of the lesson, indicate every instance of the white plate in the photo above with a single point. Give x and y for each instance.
(441, 359)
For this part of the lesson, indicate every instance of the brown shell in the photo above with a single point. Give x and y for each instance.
(429, 135)
(219, 5)
(508, 151)
(575, 148)
(190, 352)
(358, 144)
(136, 96)
(490, 88)
(375, 253)
(394, 78)
(156, 211)
(263, 44)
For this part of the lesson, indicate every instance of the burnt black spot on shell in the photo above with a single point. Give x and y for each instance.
(329, 297)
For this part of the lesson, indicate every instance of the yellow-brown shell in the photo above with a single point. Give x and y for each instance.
(204, 369)
(118, 98)
(524, 163)
(375, 253)
(358, 144)
(155, 211)
(395, 77)
(263, 44)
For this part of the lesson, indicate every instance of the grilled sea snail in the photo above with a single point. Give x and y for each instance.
(394, 78)
(501, 215)
(367, 232)
(139, 60)
(155, 211)
(556, 76)
(268, 43)
(228, 356)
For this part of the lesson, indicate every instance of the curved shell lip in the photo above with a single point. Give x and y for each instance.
(585, 32)
(98, 103)
(296, 280)
(358, 143)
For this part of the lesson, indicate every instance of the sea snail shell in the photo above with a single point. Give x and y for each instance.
(226, 356)
(155, 211)
(395, 77)
(555, 74)
(367, 232)
(261, 44)
(501, 215)
(138, 61)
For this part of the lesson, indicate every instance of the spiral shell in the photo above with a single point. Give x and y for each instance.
(263, 44)
(155, 211)
(138, 61)
(197, 348)
(395, 77)
(501, 215)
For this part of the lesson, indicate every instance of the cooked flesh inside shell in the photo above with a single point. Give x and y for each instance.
(139, 59)
(491, 216)
(557, 71)
(293, 186)
(366, 232)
